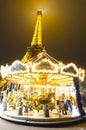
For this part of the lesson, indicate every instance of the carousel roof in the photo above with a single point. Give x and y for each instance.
(41, 70)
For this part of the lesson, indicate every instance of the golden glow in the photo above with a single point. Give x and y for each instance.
(37, 37)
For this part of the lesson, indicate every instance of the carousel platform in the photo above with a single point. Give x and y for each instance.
(37, 119)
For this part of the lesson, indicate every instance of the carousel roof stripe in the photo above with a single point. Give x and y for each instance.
(44, 55)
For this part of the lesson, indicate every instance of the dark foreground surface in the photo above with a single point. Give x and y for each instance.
(6, 125)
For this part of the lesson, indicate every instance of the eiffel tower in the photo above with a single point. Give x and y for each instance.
(36, 44)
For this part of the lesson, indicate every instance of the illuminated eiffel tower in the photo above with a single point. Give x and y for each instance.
(36, 44)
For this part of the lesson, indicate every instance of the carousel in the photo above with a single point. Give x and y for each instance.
(39, 85)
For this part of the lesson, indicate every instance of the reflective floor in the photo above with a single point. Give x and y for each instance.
(5, 125)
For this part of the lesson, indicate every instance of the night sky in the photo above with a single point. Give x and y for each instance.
(64, 29)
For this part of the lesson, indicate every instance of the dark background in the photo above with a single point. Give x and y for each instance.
(64, 29)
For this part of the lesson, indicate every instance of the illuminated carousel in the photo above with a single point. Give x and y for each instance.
(39, 87)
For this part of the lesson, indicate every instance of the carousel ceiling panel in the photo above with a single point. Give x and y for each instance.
(70, 69)
(45, 66)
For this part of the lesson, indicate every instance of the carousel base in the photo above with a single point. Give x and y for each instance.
(41, 121)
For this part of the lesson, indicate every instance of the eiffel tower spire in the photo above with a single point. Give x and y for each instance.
(36, 44)
(37, 37)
